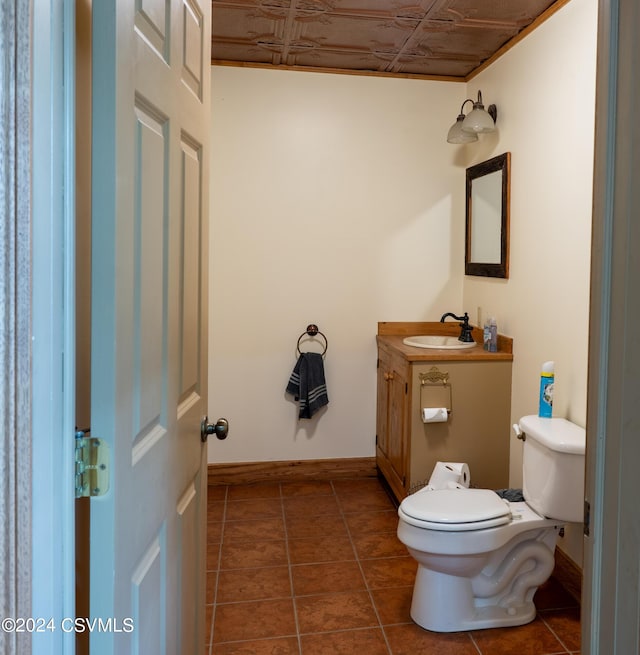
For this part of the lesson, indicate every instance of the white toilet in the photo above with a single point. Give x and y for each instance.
(481, 558)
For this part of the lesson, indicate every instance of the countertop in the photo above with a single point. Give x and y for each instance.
(391, 335)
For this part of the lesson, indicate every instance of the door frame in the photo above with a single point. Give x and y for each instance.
(15, 320)
(611, 606)
(53, 322)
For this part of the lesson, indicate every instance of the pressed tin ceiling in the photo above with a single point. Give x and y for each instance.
(425, 38)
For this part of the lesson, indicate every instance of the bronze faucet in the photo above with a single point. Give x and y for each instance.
(465, 328)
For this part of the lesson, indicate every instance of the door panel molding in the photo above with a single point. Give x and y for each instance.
(46, 48)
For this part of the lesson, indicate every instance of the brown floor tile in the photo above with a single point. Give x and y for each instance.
(333, 612)
(253, 554)
(365, 502)
(393, 604)
(566, 625)
(370, 641)
(213, 556)
(372, 522)
(212, 581)
(389, 572)
(257, 490)
(308, 506)
(299, 527)
(356, 486)
(253, 584)
(249, 529)
(333, 545)
(215, 510)
(208, 617)
(214, 532)
(552, 595)
(410, 639)
(216, 492)
(320, 549)
(372, 546)
(277, 646)
(253, 508)
(531, 639)
(326, 578)
(307, 488)
(256, 620)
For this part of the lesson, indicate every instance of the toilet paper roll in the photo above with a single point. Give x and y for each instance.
(446, 473)
(434, 414)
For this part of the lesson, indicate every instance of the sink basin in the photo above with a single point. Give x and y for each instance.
(437, 341)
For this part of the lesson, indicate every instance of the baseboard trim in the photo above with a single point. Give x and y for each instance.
(568, 574)
(315, 469)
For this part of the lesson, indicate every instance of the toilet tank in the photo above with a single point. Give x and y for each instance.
(553, 467)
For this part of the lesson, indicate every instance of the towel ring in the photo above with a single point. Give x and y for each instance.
(312, 331)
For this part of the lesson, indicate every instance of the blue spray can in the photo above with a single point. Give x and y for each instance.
(547, 378)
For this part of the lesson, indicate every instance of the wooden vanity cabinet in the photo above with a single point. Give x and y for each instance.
(477, 431)
(392, 419)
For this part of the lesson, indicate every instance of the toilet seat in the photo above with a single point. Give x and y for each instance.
(455, 510)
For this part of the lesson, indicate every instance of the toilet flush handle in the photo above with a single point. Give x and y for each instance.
(518, 432)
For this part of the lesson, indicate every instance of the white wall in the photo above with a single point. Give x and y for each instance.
(545, 92)
(334, 200)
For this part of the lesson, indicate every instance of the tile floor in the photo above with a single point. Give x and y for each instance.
(315, 568)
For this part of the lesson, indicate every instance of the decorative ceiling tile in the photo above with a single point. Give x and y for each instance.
(419, 37)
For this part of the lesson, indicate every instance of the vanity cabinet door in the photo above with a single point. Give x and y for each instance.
(478, 428)
(392, 437)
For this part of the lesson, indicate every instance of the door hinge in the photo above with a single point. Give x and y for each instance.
(587, 517)
(406, 387)
(92, 465)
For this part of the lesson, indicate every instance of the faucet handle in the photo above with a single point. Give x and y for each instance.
(465, 330)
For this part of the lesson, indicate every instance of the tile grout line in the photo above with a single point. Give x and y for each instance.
(215, 589)
(473, 641)
(554, 633)
(293, 593)
(364, 577)
(289, 567)
(280, 496)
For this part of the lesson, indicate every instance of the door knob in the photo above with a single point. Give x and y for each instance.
(220, 428)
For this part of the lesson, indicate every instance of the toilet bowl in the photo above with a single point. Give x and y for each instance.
(482, 558)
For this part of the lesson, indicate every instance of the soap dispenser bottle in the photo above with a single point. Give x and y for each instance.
(493, 335)
(486, 334)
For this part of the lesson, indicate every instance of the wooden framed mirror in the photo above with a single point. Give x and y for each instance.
(487, 218)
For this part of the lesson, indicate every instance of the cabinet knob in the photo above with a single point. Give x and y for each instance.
(388, 376)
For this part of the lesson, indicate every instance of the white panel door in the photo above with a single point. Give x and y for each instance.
(149, 354)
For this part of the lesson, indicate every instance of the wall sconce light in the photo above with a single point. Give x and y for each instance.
(478, 121)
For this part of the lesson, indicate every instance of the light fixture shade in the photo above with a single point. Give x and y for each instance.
(478, 121)
(458, 135)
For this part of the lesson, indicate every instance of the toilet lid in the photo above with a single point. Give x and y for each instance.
(456, 509)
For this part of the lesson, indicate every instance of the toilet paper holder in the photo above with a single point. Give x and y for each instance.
(435, 389)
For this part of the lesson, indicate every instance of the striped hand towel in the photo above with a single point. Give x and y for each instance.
(307, 384)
